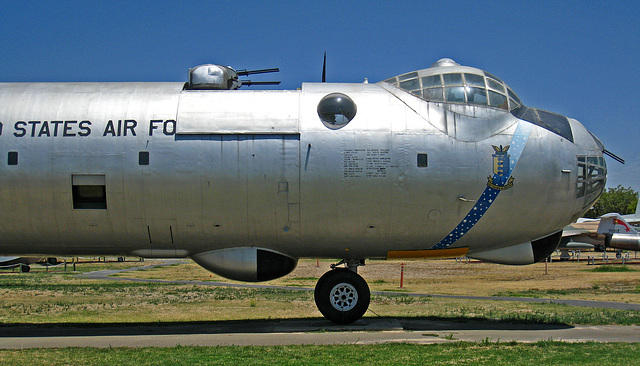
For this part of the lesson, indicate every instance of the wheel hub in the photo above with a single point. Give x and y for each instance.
(343, 297)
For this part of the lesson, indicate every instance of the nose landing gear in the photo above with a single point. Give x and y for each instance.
(342, 295)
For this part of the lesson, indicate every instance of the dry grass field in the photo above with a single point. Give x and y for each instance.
(68, 297)
(575, 280)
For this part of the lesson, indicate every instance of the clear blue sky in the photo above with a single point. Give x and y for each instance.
(578, 58)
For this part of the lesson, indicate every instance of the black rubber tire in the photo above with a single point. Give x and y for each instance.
(347, 290)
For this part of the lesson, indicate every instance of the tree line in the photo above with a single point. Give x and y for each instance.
(620, 199)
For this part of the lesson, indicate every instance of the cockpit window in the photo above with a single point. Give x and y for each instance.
(497, 100)
(514, 98)
(433, 94)
(474, 80)
(410, 75)
(495, 85)
(411, 84)
(477, 96)
(455, 94)
(452, 79)
(430, 81)
(469, 88)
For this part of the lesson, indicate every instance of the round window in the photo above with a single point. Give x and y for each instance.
(336, 110)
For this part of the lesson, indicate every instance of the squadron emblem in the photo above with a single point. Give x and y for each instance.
(501, 179)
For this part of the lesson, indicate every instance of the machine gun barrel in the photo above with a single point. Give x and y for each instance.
(613, 156)
(262, 71)
(249, 82)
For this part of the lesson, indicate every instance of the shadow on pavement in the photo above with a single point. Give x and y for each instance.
(265, 326)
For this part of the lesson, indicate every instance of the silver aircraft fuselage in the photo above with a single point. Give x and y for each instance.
(159, 170)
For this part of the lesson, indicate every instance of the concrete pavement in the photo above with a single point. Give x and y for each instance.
(300, 331)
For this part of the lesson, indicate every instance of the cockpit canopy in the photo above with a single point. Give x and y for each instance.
(448, 82)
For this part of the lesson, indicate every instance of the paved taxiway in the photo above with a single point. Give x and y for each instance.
(300, 331)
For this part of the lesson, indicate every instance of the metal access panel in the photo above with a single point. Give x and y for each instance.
(251, 189)
(239, 112)
(273, 186)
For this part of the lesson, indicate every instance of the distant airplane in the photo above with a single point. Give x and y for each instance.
(609, 231)
(24, 262)
(9, 262)
(440, 162)
(619, 234)
(581, 235)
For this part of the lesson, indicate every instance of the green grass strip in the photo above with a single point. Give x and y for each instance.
(458, 353)
(612, 268)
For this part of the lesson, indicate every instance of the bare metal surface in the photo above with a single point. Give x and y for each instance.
(258, 168)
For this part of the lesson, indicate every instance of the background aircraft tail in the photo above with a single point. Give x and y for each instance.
(613, 223)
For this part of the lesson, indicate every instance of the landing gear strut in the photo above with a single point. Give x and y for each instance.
(342, 295)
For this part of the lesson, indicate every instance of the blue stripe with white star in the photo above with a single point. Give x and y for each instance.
(489, 195)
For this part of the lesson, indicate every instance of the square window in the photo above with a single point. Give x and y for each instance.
(422, 160)
(12, 159)
(143, 158)
(89, 192)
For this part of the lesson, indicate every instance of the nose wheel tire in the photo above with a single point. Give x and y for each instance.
(342, 296)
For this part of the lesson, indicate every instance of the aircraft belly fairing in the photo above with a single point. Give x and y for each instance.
(443, 161)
